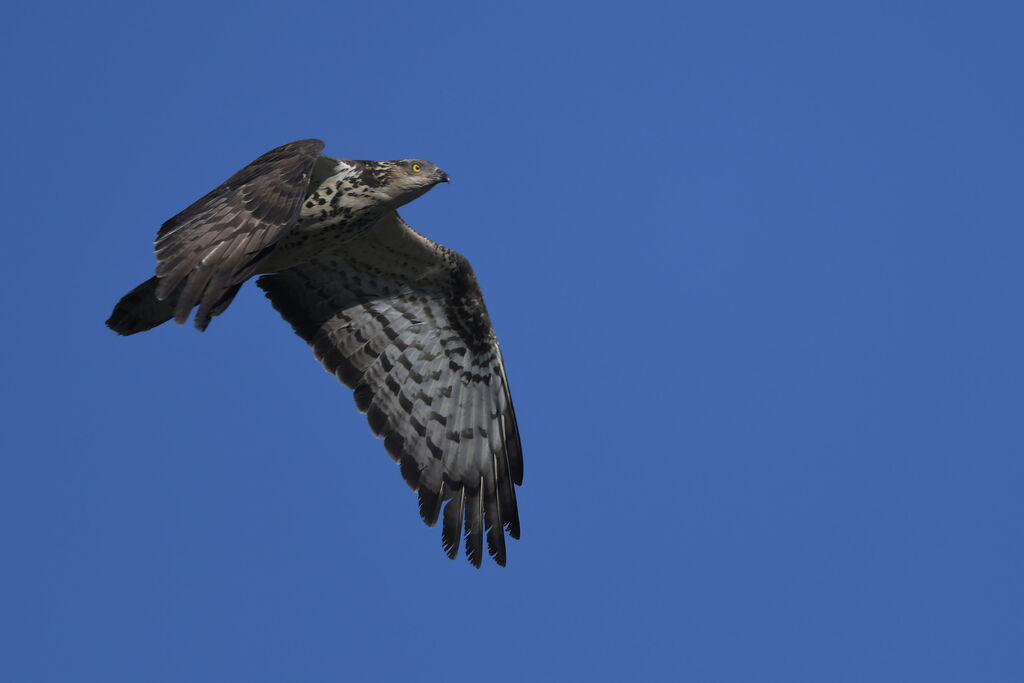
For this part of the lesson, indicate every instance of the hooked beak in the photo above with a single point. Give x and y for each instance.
(442, 177)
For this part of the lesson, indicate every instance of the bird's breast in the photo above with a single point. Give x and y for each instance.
(315, 234)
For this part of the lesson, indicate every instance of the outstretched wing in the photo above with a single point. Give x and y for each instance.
(401, 320)
(208, 250)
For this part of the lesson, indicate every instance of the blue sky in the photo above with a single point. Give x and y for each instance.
(756, 274)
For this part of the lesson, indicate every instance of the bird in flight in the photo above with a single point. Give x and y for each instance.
(394, 316)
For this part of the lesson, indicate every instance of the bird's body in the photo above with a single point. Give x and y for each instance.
(395, 316)
(341, 207)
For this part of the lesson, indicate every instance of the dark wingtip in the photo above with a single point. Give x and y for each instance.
(451, 531)
(475, 526)
(430, 504)
(495, 529)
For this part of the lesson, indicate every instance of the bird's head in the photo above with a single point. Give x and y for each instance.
(400, 182)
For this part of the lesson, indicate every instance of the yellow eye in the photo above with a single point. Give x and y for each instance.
(416, 168)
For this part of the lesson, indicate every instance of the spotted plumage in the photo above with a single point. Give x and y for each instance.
(396, 317)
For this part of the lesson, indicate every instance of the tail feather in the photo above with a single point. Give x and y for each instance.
(139, 310)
